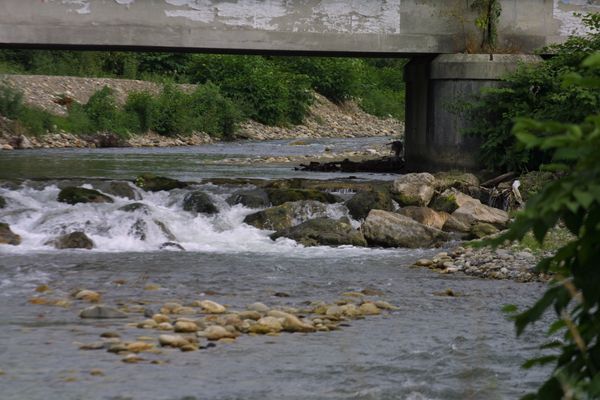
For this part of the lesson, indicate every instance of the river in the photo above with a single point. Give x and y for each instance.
(432, 347)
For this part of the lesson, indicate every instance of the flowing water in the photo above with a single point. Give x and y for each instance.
(433, 347)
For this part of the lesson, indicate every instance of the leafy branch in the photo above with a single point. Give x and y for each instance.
(487, 21)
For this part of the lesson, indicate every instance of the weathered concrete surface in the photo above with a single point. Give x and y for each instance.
(353, 26)
(435, 90)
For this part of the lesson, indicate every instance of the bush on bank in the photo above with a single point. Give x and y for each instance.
(271, 90)
(171, 113)
(535, 91)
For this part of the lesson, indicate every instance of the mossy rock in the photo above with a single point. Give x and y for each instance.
(363, 202)
(2, 202)
(280, 196)
(482, 229)
(75, 195)
(199, 202)
(74, 240)
(284, 216)
(533, 182)
(118, 188)
(153, 183)
(324, 232)
(7, 236)
(133, 207)
(255, 198)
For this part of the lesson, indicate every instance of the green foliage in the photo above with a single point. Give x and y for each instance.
(263, 92)
(11, 102)
(101, 109)
(142, 108)
(212, 112)
(535, 91)
(573, 294)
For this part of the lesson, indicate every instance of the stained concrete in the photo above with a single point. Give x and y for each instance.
(330, 26)
(435, 119)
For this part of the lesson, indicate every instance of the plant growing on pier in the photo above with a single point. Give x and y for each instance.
(487, 20)
(573, 293)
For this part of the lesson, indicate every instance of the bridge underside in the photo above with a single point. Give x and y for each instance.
(383, 27)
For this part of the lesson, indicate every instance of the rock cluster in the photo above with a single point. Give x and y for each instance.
(512, 263)
(202, 323)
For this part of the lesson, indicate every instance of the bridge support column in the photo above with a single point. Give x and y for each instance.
(435, 88)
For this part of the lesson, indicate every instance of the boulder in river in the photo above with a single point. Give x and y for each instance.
(388, 229)
(286, 215)
(199, 202)
(2, 202)
(119, 189)
(136, 207)
(425, 216)
(415, 189)
(474, 212)
(481, 229)
(254, 198)
(153, 183)
(101, 312)
(363, 202)
(323, 232)
(454, 179)
(74, 195)
(280, 196)
(450, 200)
(7, 236)
(74, 240)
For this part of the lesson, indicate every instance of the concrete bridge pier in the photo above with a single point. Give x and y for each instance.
(435, 88)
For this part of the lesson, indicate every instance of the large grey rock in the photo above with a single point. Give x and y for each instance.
(323, 231)
(414, 189)
(74, 195)
(388, 229)
(454, 225)
(450, 200)
(473, 212)
(286, 215)
(101, 312)
(199, 202)
(363, 202)
(255, 198)
(7, 236)
(74, 240)
(481, 229)
(425, 216)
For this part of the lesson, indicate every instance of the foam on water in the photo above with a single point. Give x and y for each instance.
(35, 214)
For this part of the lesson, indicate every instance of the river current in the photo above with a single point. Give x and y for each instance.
(432, 347)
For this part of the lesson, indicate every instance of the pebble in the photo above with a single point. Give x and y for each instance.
(88, 295)
(258, 307)
(210, 307)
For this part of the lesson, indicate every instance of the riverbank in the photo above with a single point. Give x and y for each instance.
(325, 119)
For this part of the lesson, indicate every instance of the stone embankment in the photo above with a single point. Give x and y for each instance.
(48, 93)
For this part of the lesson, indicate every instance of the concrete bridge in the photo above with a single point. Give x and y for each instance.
(421, 29)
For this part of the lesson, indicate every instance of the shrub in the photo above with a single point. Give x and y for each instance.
(101, 110)
(173, 115)
(573, 293)
(262, 91)
(11, 102)
(142, 109)
(213, 113)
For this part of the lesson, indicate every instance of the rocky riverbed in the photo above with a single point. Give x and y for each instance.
(413, 211)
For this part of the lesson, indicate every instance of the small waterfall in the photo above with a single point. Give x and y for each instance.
(140, 225)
